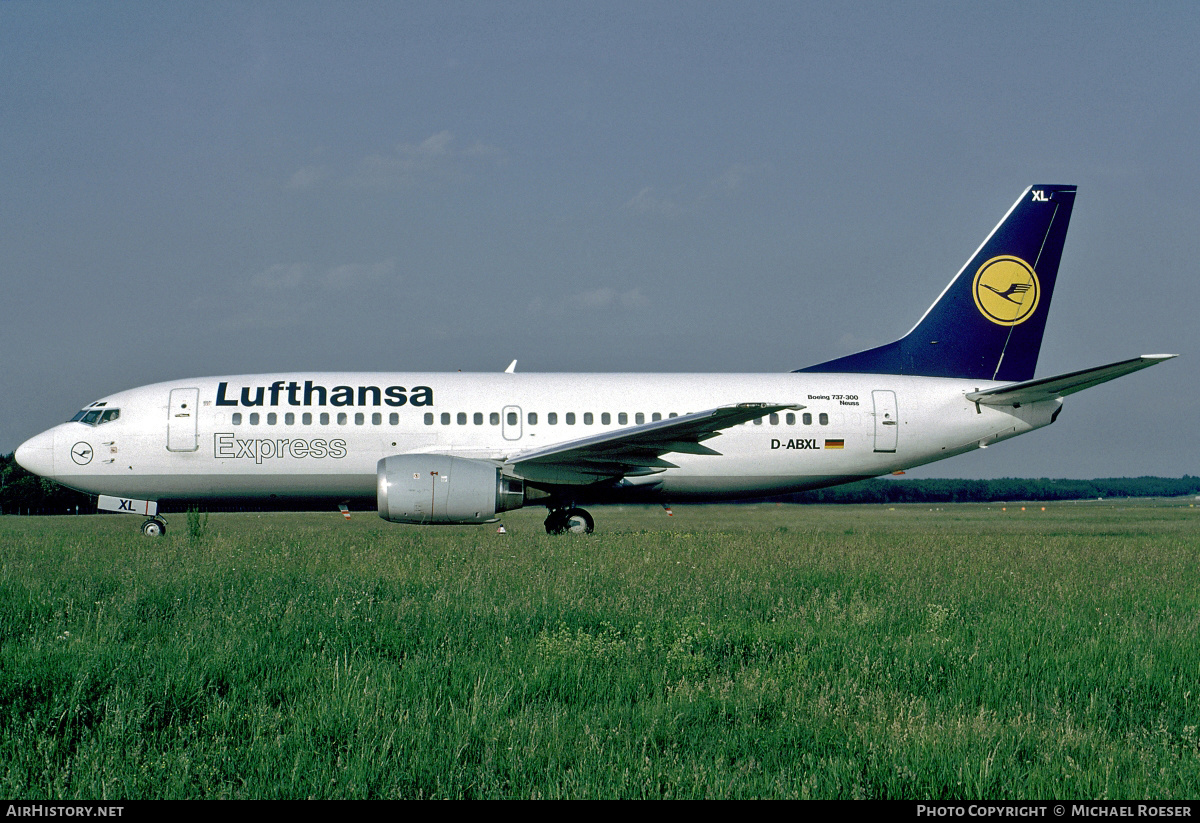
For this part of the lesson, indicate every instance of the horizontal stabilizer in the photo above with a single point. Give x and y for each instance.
(1046, 388)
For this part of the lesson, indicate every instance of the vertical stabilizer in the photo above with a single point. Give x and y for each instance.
(989, 321)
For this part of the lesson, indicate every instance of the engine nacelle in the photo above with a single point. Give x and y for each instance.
(438, 488)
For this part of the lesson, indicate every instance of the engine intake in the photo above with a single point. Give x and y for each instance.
(438, 488)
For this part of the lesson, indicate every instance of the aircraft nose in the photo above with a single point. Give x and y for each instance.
(37, 454)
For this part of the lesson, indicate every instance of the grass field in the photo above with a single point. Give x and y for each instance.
(728, 651)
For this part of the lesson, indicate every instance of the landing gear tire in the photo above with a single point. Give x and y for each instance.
(569, 521)
(154, 528)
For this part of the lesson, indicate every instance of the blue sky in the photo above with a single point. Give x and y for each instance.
(204, 188)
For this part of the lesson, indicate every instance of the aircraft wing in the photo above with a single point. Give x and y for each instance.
(637, 450)
(1046, 388)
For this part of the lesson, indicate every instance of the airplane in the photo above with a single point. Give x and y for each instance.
(429, 448)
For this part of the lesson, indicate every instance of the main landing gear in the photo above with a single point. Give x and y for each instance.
(569, 521)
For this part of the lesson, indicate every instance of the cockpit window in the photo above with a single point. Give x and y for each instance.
(96, 417)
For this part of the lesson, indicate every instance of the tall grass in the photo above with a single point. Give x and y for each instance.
(750, 651)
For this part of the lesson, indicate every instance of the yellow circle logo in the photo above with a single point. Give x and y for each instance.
(1006, 290)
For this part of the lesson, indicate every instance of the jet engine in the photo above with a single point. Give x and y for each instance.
(438, 488)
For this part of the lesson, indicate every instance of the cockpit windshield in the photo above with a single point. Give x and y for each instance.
(96, 417)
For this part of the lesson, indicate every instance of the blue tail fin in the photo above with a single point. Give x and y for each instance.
(988, 323)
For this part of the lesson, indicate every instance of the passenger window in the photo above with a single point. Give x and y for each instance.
(376, 419)
(587, 418)
(237, 418)
(533, 418)
(341, 418)
(791, 418)
(494, 418)
(306, 419)
(824, 418)
(359, 419)
(478, 418)
(445, 418)
(324, 418)
(271, 418)
(672, 414)
(289, 419)
(758, 421)
(774, 419)
(428, 418)
(570, 418)
(656, 416)
(552, 418)
(623, 419)
(462, 418)
(639, 418)
(606, 419)
(394, 419)
(253, 418)
(807, 419)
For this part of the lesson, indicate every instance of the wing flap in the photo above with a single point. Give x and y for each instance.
(1048, 388)
(636, 450)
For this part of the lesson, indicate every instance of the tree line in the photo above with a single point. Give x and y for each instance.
(893, 490)
(25, 493)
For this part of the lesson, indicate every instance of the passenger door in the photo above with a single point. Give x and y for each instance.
(886, 421)
(181, 420)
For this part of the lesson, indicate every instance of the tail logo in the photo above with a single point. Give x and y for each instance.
(1006, 290)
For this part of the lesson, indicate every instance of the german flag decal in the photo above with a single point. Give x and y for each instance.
(835, 444)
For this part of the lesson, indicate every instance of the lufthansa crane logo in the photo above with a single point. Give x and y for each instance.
(1006, 290)
(81, 453)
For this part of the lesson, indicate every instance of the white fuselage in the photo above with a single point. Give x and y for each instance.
(321, 435)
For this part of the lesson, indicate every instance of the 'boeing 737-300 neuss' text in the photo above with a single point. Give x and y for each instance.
(461, 448)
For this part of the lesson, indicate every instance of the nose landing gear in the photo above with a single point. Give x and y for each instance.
(154, 527)
(569, 521)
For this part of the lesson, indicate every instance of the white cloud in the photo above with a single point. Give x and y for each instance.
(306, 277)
(308, 177)
(647, 201)
(595, 299)
(436, 159)
(733, 178)
(280, 276)
(601, 299)
(354, 275)
(634, 299)
(295, 292)
(688, 198)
